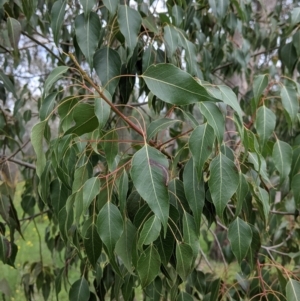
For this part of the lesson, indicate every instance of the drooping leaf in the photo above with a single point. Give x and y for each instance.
(290, 102)
(190, 235)
(174, 86)
(263, 200)
(150, 231)
(148, 265)
(79, 290)
(107, 64)
(47, 106)
(293, 290)
(219, 8)
(282, 156)
(91, 189)
(88, 6)
(177, 14)
(194, 192)
(29, 7)
(53, 77)
(201, 145)
(122, 190)
(184, 259)
(296, 189)
(265, 123)
(149, 172)
(102, 110)
(130, 23)
(259, 85)
(159, 125)
(214, 118)
(171, 40)
(57, 18)
(111, 5)
(288, 55)
(110, 226)
(183, 296)
(87, 31)
(240, 237)
(37, 137)
(7, 83)
(5, 249)
(14, 32)
(223, 181)
(241, 194)
(111, 148)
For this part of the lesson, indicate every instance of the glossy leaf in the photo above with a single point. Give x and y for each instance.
(293, 290)
(265, 123)
(14, 32)
(57, 18)
(214, 118)
(110, 226)
(173, 85)
(159, 125)
(149, 172)
(171, 39)
(53, 77)
(223, 182)
(190, 235)
(240, 237)
(130, 23)
(91, 189)
(259, 85)
(290, 102)
(148, 265)
(282, 156)
(87, 31)
(150, 231)
(79, 290)
(47, 106)
(107, 64)
(194, 192)
(184, 259)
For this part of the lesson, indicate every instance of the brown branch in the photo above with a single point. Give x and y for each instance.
(22, 163)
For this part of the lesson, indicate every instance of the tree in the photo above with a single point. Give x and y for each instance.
(157, 124)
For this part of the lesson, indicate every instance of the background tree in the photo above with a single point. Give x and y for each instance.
(166, 137)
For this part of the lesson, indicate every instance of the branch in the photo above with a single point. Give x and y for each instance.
(22, 163)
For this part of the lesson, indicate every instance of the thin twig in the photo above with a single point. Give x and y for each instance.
(19, 149)
(22, 163)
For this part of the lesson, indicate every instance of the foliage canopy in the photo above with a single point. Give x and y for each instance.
(166, 139)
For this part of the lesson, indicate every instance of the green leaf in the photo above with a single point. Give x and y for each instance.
(111, 5)
(171, 40)
(288, 55)
(150, 231)
(296, 42)
(91, 241)
(190, 235)
(5, 249)
(87, 6)
(293, 290)
(149, 173)
(201, 145)
(263, 200)
(29, 7)
(47, 106)
(148, 265)
(8, 84)
(295, 18)
(194, 192)
(79, 290)
(282, 157)
(241, 194)
(111, 148)
(14, 32)
(158, 125)
(125, 244)
(91, 189)
(102, 110)
(240, 237)
(37, 137)
(87, 31)
(57, 18)
(290, 102)
(174, 86)
(214, 118)
(130, 23)
(177, 14)
(110, 226)
(223, 182)
(183, 296)
(107, 63)
(219, 8)
(85, 119)
(122, 190)
(295, 185)
(53, 77)
(184, 259)
(259, 85)
(265, 123)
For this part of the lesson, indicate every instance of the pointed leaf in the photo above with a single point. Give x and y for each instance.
(194, 192)
(107, 64)
(130, 23)
(91, 189)
(241, 194)
(201, 145)
(296, 189)
(37, 137)
(87, 6)
(282, 156)
(293, 290)
(102, 111)
(184, 259)
(290, 102)
(79, 291)
(111, 148)
(47, 106)
(174, 86)
(223, 181)
(111, 5)
(148, 265)
(57, 18)
(259, 85)
(7, 83)
(87, 31)
(122, 190)
(214, 118)
(14, 32)
(159, 125)
(149, 174)
(150, 231)
(240, 237)
(177, 13)
(265, 123)
(171, 40)
(183, 296)
(288, 56)
(190, 233)
(219, 7)
(110, 226)
(53, 77)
